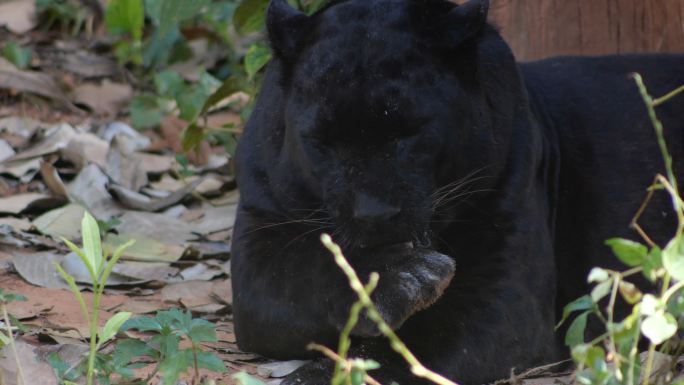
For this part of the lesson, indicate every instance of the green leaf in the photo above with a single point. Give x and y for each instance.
(250, 16)
(4, 340)
(146, 111)
(673, 259)
(228, 88)
(191, 101)
(257, 57)
(112, 326)
(173, 12)
(357, 376)
(575, 334)
(659, 327)
(10, 297)
(650, 304)
(597, 274)
(173, 366)
(192, 137)
(158, 49)
(581, 303)
(92, 247)
(243, 378)
(169, 84)
(629, 252)
(208, 360)
(202, 331)
(142, 324)
(128, 349)
(653, 264)
(629, 292)
(17, 55)
(601, 290)
(125, 16)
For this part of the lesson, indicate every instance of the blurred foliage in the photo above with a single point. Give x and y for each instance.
(219, 44)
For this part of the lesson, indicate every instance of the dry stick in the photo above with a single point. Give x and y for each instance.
(416, 367)
(339, 360)
(670, 185)
(20, 371)
(345, 342)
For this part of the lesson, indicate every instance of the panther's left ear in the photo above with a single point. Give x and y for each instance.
(465, 21)
(285, 28)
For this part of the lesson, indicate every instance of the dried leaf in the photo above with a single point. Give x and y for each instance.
(33, 82)
(37, 371)
(52, 179)
(63, 222)
(17, 203)
(106, 99)
(137, 201)
(38, 269)
(123, 166)
(18, 16)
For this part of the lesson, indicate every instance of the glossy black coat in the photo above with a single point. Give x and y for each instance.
(370, 116)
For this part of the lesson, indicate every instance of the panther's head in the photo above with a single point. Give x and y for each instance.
(384, 110)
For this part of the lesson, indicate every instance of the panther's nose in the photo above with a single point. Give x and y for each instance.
(370, 209)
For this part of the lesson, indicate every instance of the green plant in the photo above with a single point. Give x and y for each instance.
(67, 14)
(99, 268)
(169, 328)
(17, 55)
(613, 357)
(7, 338)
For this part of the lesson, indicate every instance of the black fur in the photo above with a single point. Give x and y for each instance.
(395, 122)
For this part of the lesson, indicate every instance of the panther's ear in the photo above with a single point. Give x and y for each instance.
(285, 27)
(465, 21)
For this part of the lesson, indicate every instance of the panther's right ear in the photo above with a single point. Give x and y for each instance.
(285, 28)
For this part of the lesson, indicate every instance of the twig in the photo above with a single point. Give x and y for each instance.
(20, 371)
(397, 345)
(339, 360)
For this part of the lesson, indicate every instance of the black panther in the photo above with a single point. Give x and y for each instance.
(481, 190)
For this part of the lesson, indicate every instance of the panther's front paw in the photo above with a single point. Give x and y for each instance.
(412, 284)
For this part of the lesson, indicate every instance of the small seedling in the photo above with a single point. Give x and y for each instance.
(169, 328)
(99, 268)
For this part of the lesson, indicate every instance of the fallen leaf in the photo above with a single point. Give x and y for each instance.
(137, 201)
(215, 219)
(17, 131)
(73, 265)
(52, 180)
(17, 203)
(200, 272)
(123, 166)
(55, 139)
(90, 189)
(6, 151)
(21, 169)
(18, 16)
(156, 226)
(145, 248)
(38, 269)
(33, 82)
(106, 99)
(17, 224)
(86, 148)
(89, 65)
(280, 369)
(63, 222)
(114, 129)
(161, 272)
(156, 164)
(35, 371)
